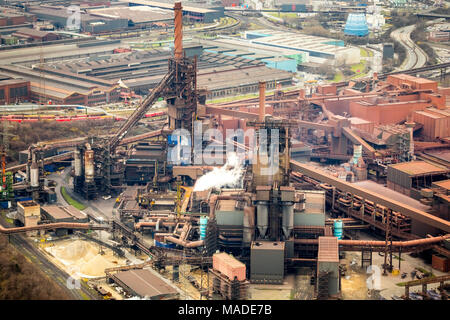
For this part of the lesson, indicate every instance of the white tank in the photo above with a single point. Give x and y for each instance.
(34, 180)
(262, 216)
(288, 219)
(89, 166)
(77, 163)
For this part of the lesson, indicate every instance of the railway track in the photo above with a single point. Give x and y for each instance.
(60, 277)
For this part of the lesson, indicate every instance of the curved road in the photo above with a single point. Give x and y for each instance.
(415, 56)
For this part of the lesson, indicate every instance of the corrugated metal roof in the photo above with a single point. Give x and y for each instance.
(415, 168)
(328, 249)
(144, 283)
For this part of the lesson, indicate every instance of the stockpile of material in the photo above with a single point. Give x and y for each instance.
(84, 259)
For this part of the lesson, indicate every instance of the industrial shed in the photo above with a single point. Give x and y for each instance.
(143, 283)
(411, 177)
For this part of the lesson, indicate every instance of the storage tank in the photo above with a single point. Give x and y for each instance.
(262, 215)
(77, 163)
(338, 228)
(203, 224)
(288, 218)
(357, 153)
(356, 25)
(89, 165)
(34, 180)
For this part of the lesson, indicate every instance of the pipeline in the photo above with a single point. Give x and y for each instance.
(182, 240)
(166, 220)
(58, 225)
(372, 244)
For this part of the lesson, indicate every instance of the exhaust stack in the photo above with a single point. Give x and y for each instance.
(178, 53)
(262, 101)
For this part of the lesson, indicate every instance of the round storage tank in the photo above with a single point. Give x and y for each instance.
(338, 228)
(203, 224)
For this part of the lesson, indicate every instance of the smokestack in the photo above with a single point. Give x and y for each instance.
(262, 100)
(178, 31)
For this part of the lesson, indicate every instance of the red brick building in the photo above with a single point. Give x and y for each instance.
(33, 35)
(14, 90)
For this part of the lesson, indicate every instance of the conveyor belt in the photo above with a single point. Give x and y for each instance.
(409, 211)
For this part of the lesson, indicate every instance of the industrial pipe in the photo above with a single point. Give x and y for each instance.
(369, 243)
(58, 225)
(178, 50)
(186, 244)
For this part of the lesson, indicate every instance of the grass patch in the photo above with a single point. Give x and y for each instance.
(338, 77)
(71, 201)
(283, 15)
(9, 220)
(359, 67)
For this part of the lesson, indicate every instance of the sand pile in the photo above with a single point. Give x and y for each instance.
(96, 266)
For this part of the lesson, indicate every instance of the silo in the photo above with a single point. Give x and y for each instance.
(34, 175)
(89, 166)
(77, 163)
(203, 224)
(262, 215)
(356, 25)
(288, 218)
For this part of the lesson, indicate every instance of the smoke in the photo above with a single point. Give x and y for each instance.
(229, 175)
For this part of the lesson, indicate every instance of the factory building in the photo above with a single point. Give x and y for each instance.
(64, 88)
(192, 11)
(11, 17)
(267, 262)
(411, 177)
(317, 47)
(144, 283)
(88, 23)
(69, 213)
(14, 90)
(28, 213)
(137, 16)
(33, 35)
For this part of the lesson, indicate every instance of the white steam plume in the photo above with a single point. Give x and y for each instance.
(229, 175)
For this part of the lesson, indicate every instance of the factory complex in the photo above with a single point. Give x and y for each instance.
(212, 174)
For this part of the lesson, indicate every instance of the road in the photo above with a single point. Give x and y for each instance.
(99, 210)
(415, 56)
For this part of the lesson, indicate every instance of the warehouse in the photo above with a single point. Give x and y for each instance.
(64, 88)
(318, 47)
(193, 12)
(145, 283)
(31, 35)
(88, 23)
(138, 16)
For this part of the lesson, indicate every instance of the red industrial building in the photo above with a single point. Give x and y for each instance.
(14, 90)
(33, 35)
